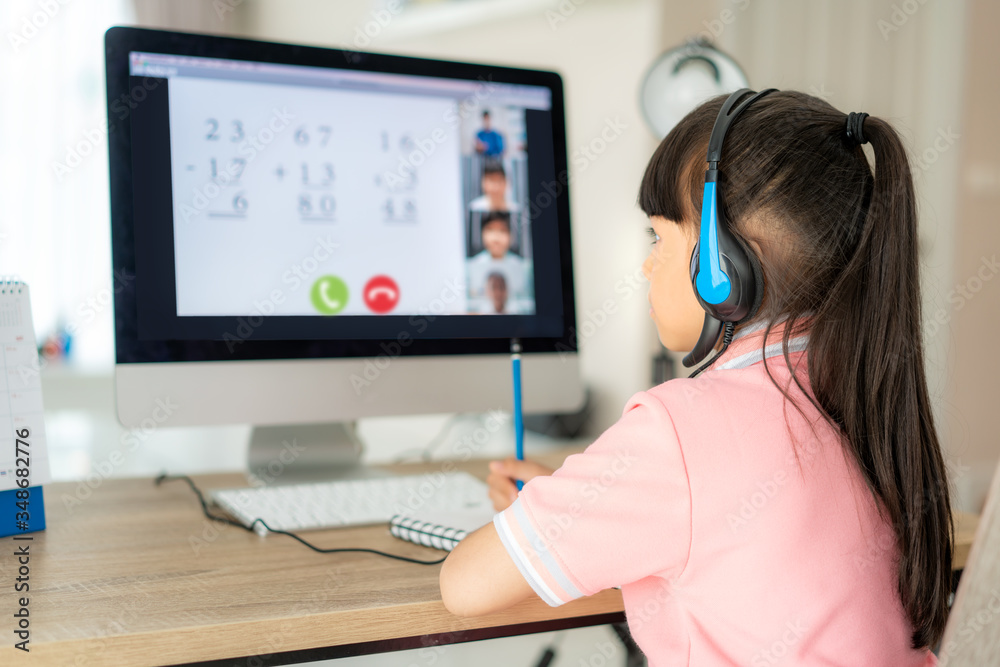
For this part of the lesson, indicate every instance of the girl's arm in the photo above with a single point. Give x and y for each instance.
(479, 577)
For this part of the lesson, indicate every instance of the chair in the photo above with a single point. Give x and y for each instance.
(972, 636)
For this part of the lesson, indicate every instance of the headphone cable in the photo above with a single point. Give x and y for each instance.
(727, 338)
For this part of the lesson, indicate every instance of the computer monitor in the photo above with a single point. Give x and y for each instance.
(307, 236)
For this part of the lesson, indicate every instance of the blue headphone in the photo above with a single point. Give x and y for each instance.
(725, 274)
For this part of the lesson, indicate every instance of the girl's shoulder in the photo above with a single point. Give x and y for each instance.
(751, 404)
(758, 380)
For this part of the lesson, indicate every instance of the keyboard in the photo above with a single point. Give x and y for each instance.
(316, 506)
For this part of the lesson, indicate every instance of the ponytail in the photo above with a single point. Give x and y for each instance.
(869, 328)
(838, 247)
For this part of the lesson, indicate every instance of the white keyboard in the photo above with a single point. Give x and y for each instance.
(316, 506)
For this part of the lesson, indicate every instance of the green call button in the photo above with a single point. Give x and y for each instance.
(329, 295)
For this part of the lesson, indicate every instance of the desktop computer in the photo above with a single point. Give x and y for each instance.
(311, 236)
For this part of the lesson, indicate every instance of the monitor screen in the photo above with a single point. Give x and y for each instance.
(282, 202)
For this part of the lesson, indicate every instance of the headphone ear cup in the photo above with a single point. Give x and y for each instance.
(694, 266)
(734, 245)
(758, 278)
(712, 310)
(737, 260)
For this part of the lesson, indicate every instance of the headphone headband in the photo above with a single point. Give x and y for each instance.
(727, 116)
(725, 274)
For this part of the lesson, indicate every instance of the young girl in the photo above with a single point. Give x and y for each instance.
(789, 504)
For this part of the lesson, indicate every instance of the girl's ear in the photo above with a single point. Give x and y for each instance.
(691, 233)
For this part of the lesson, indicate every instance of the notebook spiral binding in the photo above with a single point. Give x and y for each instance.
(425, 533)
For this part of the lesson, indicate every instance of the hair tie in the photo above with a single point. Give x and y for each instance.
(855, 122)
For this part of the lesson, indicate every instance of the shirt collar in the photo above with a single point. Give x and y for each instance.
(747, 347)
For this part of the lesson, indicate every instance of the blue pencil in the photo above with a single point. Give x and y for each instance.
(515, 361)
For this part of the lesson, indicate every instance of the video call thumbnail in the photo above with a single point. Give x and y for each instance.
(498, 236)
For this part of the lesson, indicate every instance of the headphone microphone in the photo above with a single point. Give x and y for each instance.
(725, 273)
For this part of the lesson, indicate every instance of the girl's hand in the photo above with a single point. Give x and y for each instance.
(501, 480)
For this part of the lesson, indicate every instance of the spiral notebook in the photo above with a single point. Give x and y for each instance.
(24, 460)
(439, 530)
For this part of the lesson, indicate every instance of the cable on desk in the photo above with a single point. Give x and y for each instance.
(204, 508)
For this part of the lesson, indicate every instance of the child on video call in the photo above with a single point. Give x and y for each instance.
(496, 257)
(496, 292)
(494, 184)
(789, 504)
(489, 142)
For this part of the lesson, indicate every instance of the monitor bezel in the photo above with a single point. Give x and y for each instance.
(130, 348)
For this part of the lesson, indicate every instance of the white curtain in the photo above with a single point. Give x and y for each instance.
(900, 61)
(54, 211)
(54, 218)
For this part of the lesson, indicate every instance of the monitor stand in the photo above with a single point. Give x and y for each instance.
(302, 453)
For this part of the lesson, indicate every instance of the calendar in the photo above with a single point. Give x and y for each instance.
(23, 450)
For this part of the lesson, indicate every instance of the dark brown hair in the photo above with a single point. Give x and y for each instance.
(493, 166)
(503, 217)
(838, 247)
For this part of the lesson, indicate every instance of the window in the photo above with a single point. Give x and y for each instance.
(54, 212)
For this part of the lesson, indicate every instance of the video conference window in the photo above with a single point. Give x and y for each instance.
(498, 237)
(355, 194)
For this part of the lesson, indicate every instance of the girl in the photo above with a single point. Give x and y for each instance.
(789, 505)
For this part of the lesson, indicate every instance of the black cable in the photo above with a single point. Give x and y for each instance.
(547, 657)
(634, 657)
(426, 452)
(204, 508)
(549, 654)
(727, 338)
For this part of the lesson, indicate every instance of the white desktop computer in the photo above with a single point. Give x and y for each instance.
(310, 236)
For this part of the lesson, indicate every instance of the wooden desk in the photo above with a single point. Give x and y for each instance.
(134, 575)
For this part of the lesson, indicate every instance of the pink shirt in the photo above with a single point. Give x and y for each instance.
(729, 549)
